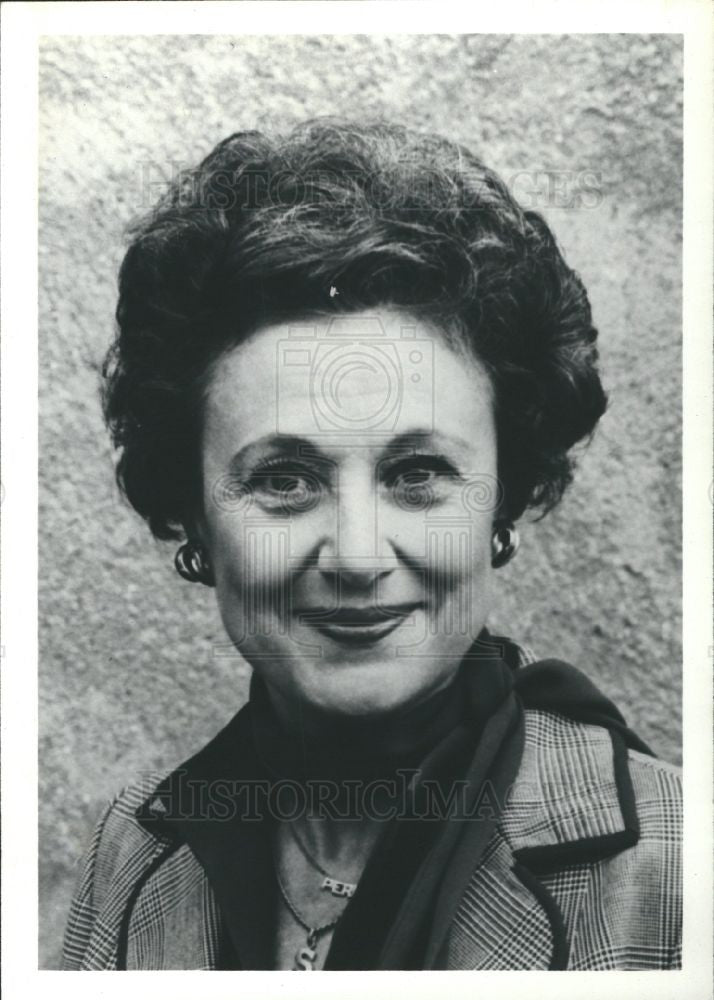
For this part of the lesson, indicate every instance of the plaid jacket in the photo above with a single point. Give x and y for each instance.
(582, 872)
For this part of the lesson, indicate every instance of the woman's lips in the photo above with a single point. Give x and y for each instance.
(356, 626)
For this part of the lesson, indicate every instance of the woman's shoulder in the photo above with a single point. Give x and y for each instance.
(646, 763)
(123, 807)
(549, 732)
(657, 790)
(589, 844)
(593, 757)
(118, 853)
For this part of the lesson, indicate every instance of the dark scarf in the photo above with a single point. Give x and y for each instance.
(470, 739)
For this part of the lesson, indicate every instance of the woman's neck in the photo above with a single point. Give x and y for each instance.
(306, 741)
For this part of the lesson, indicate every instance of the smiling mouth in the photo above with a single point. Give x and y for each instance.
(356, 626)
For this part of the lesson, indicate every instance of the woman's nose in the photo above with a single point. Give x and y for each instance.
(357, 550)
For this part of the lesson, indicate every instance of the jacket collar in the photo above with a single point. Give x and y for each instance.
(198, 788)
(212, 803)
(573, 799)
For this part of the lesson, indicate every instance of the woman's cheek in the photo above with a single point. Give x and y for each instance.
(458, 550)
(248, 577)
(248, 555)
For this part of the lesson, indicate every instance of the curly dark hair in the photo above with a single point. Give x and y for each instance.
(262, 229)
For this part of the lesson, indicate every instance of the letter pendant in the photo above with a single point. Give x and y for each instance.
(304, 959)
(339, 888)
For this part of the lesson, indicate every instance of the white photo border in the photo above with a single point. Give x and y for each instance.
(22, 26)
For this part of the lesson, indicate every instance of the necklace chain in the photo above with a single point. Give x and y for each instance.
(337, 887)
(305, 853)
(304, 957)
(312, 932)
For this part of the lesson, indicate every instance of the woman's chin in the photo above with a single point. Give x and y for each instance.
(364, 690)
(359, 682)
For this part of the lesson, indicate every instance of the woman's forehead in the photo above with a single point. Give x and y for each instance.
(364, 376)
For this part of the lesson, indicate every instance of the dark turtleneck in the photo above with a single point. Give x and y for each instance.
(341, 747)
(365, 748)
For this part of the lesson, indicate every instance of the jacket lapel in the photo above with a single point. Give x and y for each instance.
(213, 805)
(175, 923)
(573, 799)
(571, 803)
(501, 922)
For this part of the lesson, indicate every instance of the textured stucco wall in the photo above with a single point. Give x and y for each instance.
(129, 673)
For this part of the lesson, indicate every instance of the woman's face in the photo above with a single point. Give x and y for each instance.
(350, 486)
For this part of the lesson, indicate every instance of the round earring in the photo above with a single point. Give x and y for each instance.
(192, 564)
(504, 543)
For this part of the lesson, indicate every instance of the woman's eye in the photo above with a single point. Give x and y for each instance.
(421, 483)
(286, 488)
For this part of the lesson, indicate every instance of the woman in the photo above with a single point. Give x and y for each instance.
(347, 362)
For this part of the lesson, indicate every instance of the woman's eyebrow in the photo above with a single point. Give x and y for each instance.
(289, 445)
(419, 437)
